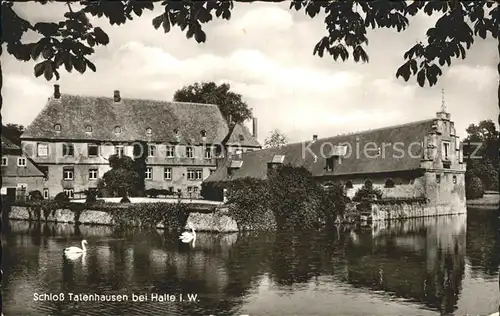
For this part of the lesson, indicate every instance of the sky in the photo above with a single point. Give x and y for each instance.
(265, 52)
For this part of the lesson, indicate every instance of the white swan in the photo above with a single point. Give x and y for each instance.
(76, 250)
(187, 237)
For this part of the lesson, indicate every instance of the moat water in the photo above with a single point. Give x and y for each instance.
(445, 265)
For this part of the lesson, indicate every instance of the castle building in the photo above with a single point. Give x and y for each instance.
(417, 159)
(19, 174)
(73, 137)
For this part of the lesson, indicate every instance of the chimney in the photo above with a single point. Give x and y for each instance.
(116, 96)
(57, 93)
(254, 127)
(315, 138)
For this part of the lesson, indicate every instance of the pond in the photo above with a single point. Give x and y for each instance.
(433, 266)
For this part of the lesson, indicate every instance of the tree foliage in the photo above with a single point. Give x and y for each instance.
(71, 40)
(275, 139)
(230, 104)
(122, 179)
(473, 186)
(481, 147)
(367, 192)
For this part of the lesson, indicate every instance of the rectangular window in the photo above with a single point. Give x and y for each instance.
(70, 193)
(189, 152)
(93, 150)
(454, 179)
(149, 173)
(208, 153)
(93, 174)
(167, 173)
(170, 151)
(212, 171)
(438, 178)
(199, 174)
(5, 161)
(43, 150)
(21, 162)
(68, 174)
(195, 189)
(68, 150)
(152, 150)
(446, 150)
(190, 189)
(195, 174)
(46, 193)
(119, 150)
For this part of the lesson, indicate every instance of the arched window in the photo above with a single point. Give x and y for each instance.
(88, 129)
(389, 183)
(118, 129)
(348, 184)
(203, 133)
(57, 127)
(149, 131)
(241, 138)
(368, 184)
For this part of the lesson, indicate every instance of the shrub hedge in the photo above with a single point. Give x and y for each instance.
(173, 216)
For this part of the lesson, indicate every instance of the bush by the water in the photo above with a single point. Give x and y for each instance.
(248, 205)
(173, 215)
(290, 199)
(367, 192)
(473, 186)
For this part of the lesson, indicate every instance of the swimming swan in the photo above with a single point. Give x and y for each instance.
(76, 250)
(187, 237)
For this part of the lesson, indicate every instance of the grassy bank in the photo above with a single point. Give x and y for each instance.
(489, 200)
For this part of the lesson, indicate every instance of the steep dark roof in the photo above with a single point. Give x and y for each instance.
(8, 145)
(134, 116)
(11, 170)
(242, 136)
(396, 138)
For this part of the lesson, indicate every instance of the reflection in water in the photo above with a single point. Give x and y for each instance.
(412, 267)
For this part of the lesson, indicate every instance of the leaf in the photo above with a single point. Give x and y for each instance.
(157, 21)
(90, 65)
(68, 64)
(200, 36)
(421, 77)
(100, 36)
(48, 72)
(166, 22)
(404, 71)
(39, 69)
(413, 66)
(46, 29)
(79, 64)
(91, 41)
(38, 48)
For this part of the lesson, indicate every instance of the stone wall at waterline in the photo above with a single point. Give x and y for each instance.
(217, 221)
(381, 212)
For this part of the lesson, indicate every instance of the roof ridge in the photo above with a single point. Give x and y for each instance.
(131, 99)
(367, 130)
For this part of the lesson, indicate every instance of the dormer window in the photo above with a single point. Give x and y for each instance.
(88, 129)
(118, 129)
(57, 127)
(149, 131)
